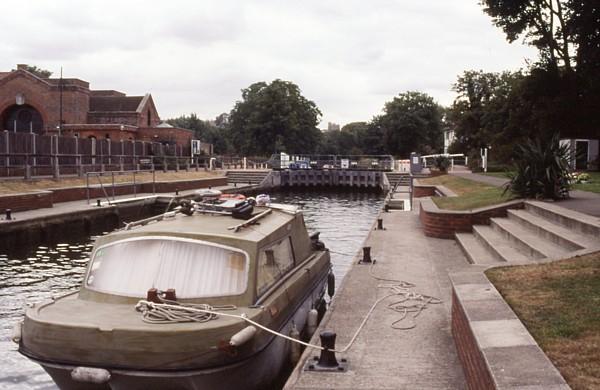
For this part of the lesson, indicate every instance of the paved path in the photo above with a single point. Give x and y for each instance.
(385, 358)
(583, 201)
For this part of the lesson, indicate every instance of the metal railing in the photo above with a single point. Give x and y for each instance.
(349, 162)
(99, 175)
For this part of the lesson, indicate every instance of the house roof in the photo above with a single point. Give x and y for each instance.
(115, 103)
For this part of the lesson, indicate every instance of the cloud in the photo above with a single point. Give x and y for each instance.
(348, 56)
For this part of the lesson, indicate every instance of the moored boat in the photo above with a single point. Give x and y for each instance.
(186, 300)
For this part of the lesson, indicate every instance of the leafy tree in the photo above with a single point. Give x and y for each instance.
(481, 113)
(411, 122)
(41, 73)
(204, 131)
(542, 23)
(273, 118)
(563, 90)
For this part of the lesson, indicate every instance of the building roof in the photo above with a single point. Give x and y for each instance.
(115, 103)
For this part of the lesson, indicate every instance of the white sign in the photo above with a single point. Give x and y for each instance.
(415, 160)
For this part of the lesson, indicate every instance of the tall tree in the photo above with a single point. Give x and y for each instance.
(411, 122)
(274, 118)
(542, 23)
(480, 114)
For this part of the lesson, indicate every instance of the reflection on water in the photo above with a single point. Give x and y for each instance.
(40, 272)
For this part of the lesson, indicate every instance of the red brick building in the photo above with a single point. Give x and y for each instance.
(29, 103)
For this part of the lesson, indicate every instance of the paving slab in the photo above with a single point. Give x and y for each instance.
(423, 357)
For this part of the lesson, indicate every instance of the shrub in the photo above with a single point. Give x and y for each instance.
(441, 163)
(542, 169)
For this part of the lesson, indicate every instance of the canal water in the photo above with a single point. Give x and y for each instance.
(43, 270)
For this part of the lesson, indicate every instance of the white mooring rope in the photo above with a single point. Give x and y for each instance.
(173, 312)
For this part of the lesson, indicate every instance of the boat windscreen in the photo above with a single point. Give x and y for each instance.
(195, 269)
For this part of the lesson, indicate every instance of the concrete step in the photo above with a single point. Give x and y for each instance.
(569, 219)
(551, 231)
(498, 245)
(474, 250)
(526, 241)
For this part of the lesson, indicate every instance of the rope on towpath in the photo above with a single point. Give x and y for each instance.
(410, 302)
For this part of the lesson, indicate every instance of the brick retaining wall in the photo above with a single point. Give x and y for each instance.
(26, 201)
(445, 223)
(42, 199)
(494, 347)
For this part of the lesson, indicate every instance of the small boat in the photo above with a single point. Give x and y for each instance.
(192, 299)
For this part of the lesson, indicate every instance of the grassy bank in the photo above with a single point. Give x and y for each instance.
(13, 186)
(560, 305)
(471, 194)
(593, 185)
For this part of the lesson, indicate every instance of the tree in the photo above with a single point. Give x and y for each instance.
(481, 113)
(543, 23)
(41, 73)
(412, 122)
(204, 131)
(274, 118)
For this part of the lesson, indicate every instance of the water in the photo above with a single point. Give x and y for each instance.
(39, 272)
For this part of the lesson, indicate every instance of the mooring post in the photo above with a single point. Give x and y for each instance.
(326, 361)
(366, 255)
(8, 216)
(380, 224)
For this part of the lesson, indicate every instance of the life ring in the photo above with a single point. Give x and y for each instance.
(233, 196)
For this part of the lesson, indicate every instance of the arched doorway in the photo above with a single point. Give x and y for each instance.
(23, 118)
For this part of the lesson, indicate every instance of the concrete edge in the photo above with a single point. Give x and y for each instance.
(489, 337)
(315, 339)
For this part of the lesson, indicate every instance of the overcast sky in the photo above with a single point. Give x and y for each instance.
(348, 56)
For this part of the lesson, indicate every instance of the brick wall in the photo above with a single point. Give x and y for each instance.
(474, 367)
(161, 134)
(445, 223)
(41, 199)
(27, 201)
(421, 191)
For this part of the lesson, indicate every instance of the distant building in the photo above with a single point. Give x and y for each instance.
(448, 139)
(333, 126)
(29, 103)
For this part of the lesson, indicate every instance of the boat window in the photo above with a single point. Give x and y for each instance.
(273, 262)
(193, 268)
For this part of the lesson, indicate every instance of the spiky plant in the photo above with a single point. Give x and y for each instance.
(542, 169)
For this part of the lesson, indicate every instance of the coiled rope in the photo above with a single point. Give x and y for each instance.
(172, 312)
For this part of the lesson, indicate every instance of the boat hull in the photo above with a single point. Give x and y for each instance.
(256, 372)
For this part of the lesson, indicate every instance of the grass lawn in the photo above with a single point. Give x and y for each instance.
(12, 186)
(471, 194)
(559, 303)
(503, 175)
(592, 186)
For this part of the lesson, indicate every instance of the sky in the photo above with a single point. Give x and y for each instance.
(349, 57)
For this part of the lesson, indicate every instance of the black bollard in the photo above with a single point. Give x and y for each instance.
(176, 191)
(8, 216)
(98, 203)
(326, 361)
(366, 255)
(380, 224)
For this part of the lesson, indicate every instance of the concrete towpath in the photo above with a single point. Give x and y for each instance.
(83, 205)
(583, 201)
(382, 357)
